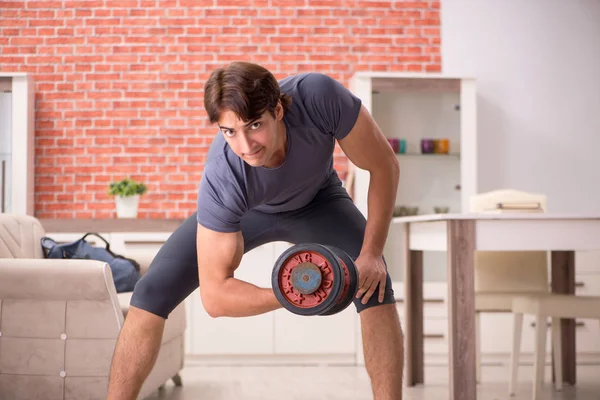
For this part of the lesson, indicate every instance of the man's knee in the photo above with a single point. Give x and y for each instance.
(144, 317)
(150, 296)
(167, 283)
(388, 297)
(374, 301)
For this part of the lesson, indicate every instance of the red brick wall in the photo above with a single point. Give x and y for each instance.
(120, 82)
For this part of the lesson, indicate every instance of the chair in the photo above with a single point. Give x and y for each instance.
(60, 319)
(542, 306)
(501, 275)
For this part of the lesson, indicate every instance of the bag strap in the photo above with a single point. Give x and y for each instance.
(47, 245)
(136, 265)
(98, 236)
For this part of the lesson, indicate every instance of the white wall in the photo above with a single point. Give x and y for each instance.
(537, 63)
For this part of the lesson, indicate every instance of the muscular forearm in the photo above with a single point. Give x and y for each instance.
(381, 199)
(236, 298)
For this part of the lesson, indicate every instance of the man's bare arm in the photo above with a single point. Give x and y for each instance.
(219, 254)
(367, 148)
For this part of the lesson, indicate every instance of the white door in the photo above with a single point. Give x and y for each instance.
(5, 150)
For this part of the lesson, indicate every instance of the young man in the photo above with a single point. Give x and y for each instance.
(269, 177)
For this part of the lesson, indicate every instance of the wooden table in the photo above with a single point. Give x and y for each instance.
(462, 234)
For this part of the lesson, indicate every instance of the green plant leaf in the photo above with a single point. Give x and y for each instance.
(126, 187)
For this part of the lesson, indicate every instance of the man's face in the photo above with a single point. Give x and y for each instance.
(256, 142)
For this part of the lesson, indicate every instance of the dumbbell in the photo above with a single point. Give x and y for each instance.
(314, 279)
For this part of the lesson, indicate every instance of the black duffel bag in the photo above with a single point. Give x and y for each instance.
(125, 271)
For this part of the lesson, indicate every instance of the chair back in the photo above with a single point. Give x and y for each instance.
(20, 236)
(510, 271)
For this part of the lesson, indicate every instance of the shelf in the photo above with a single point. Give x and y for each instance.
(433, 155)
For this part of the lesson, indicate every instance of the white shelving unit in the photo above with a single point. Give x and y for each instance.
(16, 143)
(424, 106)
(414, 107)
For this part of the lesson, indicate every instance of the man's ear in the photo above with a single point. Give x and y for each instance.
(278, 111)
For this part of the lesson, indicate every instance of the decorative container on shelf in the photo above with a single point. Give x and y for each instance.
(127, 194)
(398, 145)
(403, 211)
(441, 146)
(127, 206)
(435, 146)
(427, 146)
(394, 144)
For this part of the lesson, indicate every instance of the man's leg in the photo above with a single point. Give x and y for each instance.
(383, 348)
(172, 276)
(383, 343)
(333, 219)
(135, 353)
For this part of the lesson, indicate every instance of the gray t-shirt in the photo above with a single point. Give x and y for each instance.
(322, 110)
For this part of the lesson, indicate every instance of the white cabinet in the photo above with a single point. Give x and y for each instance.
(229, 336)
(16, 143)
(207, 335)
(281, 335)
(141, 246)
(412, 108)
(278, 333)
(285, 337)
(334, 334)
(587, 283)
(312, 335)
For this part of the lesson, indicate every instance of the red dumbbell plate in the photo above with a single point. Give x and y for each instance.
(307, 279)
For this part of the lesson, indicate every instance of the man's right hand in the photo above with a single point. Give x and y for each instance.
(219, 254)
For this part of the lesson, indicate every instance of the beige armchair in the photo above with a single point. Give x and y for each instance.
(59, 322)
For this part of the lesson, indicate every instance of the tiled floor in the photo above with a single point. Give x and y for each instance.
(352, 383)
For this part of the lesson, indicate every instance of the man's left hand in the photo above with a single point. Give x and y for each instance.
(371, 273)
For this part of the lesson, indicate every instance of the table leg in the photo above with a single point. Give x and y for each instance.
(563, 281)
(461, 310)
(413, 313)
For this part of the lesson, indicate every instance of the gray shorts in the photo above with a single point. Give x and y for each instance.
(331, 219)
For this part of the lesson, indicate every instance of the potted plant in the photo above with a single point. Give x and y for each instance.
(127, 194)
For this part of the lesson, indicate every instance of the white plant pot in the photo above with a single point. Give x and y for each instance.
(127, 207)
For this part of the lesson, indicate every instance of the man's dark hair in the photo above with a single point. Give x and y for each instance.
(246, 89)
